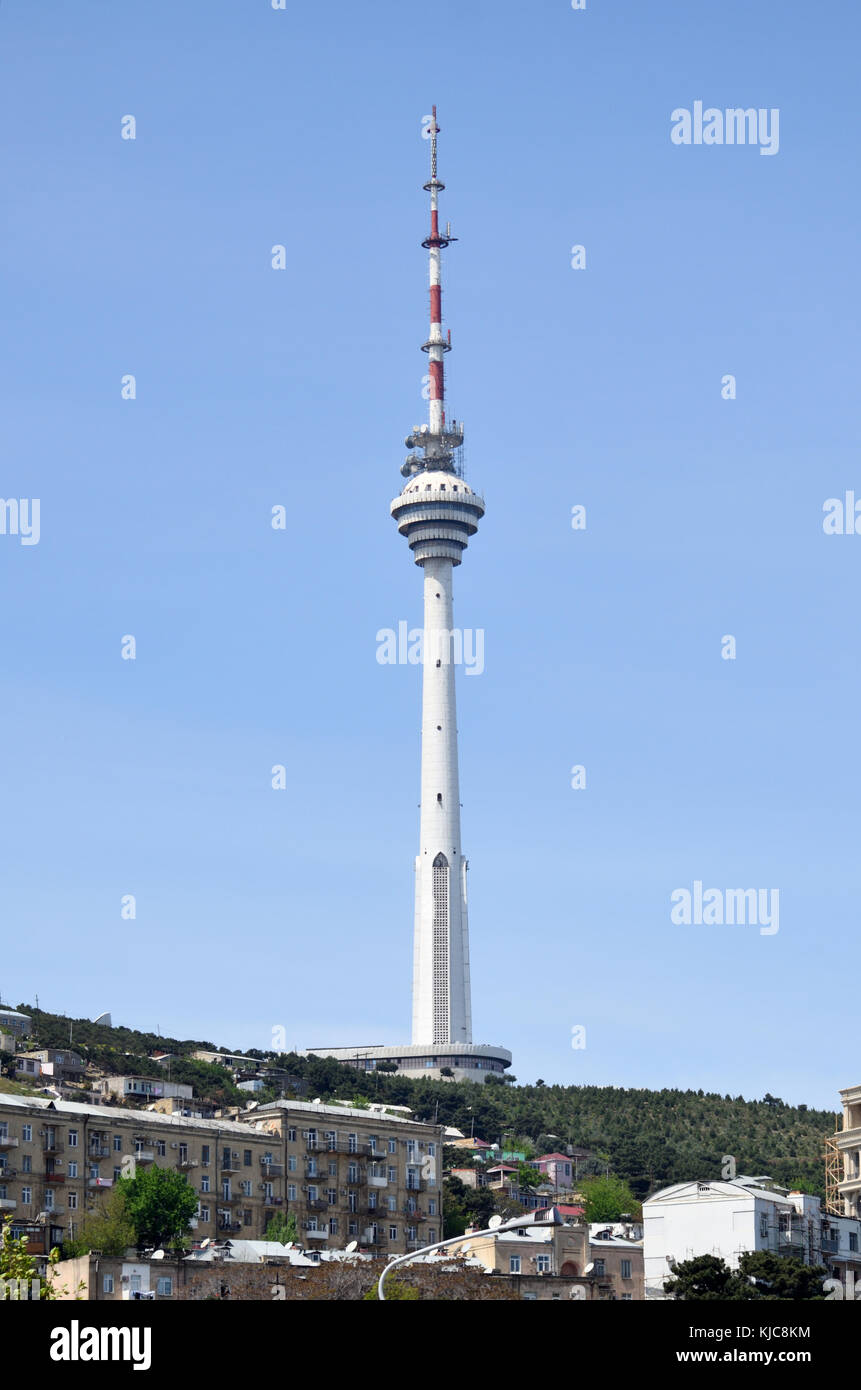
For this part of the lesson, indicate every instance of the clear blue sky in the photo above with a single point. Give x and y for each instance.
(254, 647)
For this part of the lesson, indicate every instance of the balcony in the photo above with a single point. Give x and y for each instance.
(272, 1170)
(55, 1177)
(6, 1173)
(358, 1180)
(51, 1144)
(145, 1155)
(100, 1182)
(830, 1245)
(230, 1226)
(8, 1203)
(315, 1234)
(416, 1244)
(273, 1201)
(316, 1204)
(231, 1164)
(98, 1151)
(377, 1180)
(7, 1142)
(184, 1164)
(51, 1212)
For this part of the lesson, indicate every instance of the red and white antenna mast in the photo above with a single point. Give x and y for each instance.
(438, 440)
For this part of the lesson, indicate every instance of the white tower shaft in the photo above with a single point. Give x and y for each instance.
(441, 992)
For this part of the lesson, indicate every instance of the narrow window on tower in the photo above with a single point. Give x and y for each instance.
(440, 949)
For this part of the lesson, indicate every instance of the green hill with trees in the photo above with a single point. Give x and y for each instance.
(648, 1138)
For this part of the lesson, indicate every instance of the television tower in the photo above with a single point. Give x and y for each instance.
(437, 513)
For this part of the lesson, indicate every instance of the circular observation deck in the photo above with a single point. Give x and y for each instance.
(437, 512)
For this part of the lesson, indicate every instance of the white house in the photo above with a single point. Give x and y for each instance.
(728, 1218)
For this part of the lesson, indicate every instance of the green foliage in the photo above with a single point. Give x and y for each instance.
(160, 1204)
(282, 1228)
(395, 1289)
(16, 1264)
(707, 1278)
(608, 1199)
(108, 1229)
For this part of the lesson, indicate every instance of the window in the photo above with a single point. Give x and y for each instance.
(246, 1158)
(763, 1224)
(27, 1134)
(372, 1201)
(312, 1223)
(392, 1203)
(204, 1213)
(432, 1150)
(514, 1264)
(117, 1173)
(225, 1189)
(353, 1173)
(333, 1225)
(118, 1143)
(353, 1228)
(73, 1138)
(853, 1241)
(412, 1233)
(393, 1233)
(599, 1269)
(353, 1143)
(312, 1194)
(26, 1163)
(26, 1196)
(246, 1189)
(312, 1168)
(331, 1139)
(627, 1298)
(246, 1216)
(49, 1200)
(312, 1138)
(393, 1146)
(161, 1149)
(73, 1201)
(432, 1206)
(626, 1269)
(352, 1201)
(542, 1264)
(373, 1141)
(204, 1155)
(291, 1136)
(107, 1283)
(432, 1234)
(204, 1182)
(164, 1286)
(291, 1163)
(332, 1196)
(291, 1192)
(333, 1170)
(73, 1169)
(393, 1174)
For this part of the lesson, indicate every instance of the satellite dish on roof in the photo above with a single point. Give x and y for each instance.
(158, 1255)
(589, 1268)
(316, 1101)
(353, 1246)
(494, 1222)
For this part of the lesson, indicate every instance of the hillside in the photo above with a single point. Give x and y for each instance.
(650, 1138)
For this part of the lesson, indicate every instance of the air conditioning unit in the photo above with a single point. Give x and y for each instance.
(174, 1146)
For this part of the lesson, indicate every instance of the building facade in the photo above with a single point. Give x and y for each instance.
(730, 1218)
(848, 1143)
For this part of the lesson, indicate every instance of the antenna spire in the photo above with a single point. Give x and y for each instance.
(438, 439)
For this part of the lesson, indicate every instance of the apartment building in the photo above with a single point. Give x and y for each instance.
(15, 1024)
(358, 1175)
(58, 1157)
(141, 1088)
(62, 1064)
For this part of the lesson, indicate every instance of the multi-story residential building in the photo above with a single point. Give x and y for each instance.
(619, 1260)
(729, 1218)
(358, 1175)
(61, 1063)
(347, 1175)
(57, 1157)
(848, 1143)
(141, 1088)
(16, 1024)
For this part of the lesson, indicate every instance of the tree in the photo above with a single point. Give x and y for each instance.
(529, 1177)
(282, 1228)
(160, 1204)
(707, 1278)
(783, 1276)
(609, 1199)
(18, 1267)
(108, 1229)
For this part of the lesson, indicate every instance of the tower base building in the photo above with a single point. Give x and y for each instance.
(466, 1061)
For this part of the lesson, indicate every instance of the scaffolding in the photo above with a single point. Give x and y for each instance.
(833, 1175)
